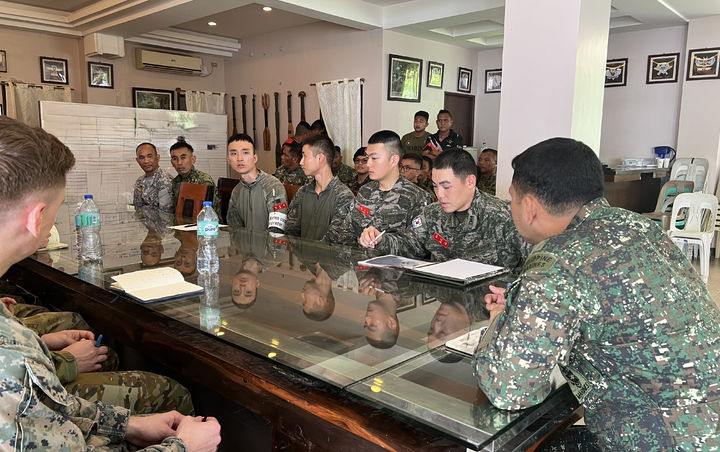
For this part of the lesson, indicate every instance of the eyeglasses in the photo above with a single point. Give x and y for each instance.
(359, 160)
(407, 168)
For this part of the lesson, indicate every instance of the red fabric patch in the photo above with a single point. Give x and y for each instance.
(364, 210)
(280, 242)
(438, 238)
(280, 206)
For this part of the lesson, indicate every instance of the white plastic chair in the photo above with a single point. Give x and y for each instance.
(698, 171)
(680, 169)
(699, 226)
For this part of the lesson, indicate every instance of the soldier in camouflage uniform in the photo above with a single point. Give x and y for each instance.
(360, 159)
(154, 189)
(389, 202)
(487, 169)
(343, 172)
(37, 412)
(290, 171)
(611, 300)
(183, 160)
(323, 204)
(464, 223)
(259, 201)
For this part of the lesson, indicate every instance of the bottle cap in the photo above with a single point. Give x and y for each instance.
(207, 203)
(88, 197)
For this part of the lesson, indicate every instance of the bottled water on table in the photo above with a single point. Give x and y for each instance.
(207, 234)
(87, 222)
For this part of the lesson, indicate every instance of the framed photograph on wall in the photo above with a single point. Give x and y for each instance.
(493, 80)
(703, 64)
(54, 70)
(616, 72)
(663, 68)
(435, 74)
(464, 80)
(100, 75)
(404, 78)
(3, 61)
(163, 99)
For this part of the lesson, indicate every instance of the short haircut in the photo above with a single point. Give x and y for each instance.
(325, 310)
(429, 161)
(359, 153)
(145, 144)
(422, 113)
(302, 128)
(415, 158)
(445, 111)
(390, 139)
(31, 160)
(241, 137)
(181, 143)
(295, 150)
(337, 149)
(321, 144)
(492, 151)
(458, 160)
(318, 125)
(561, 172)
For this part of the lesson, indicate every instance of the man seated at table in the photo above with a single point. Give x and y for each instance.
(323, 204)
(37, 411)
(464, 222)
(410, 168)
(608, 297)
(259, 201)
(182, 158)
(345, 173)
(289, 171)
(154, 189)
(487, 169)
(360, 159)
(425, 177)
(388, 202)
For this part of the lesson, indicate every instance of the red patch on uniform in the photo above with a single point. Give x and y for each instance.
(364, 210)
(438, 238)
(280, 242)
(280, 206)
(363, 267)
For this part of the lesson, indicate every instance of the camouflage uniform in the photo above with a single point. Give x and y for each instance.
(38, 413)
(346, 174)
(154, 191)
(312, 215)
(631, 324)
(486, 183)
(355, 185)
(425, 187)
(196, 176)
(294, 177)
(484, 233)
(251, 204)
(386, 210)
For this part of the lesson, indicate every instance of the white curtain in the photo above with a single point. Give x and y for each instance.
(205, 102)
(340, 106)
(23, 100)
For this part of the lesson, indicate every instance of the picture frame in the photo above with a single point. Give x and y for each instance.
(3, 61)
(703, 64)
(404, 78)
(100, 75)
(663, 68)
(616, 72)
(54, 70)
(493, 80)
(436, 72)
(158, 99)
(464, 80)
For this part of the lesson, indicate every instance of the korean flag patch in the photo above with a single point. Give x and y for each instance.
(416, 223)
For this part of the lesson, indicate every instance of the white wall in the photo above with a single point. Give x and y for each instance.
(487, 105)
(638, 117)
(292, 59)
(398, 116)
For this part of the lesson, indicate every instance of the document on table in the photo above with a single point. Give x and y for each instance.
(458, 271)
(156, 284)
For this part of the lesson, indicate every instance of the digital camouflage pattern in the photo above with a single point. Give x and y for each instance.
(294, 177)
(155, 191)
(251, 204)
(346, 174)
(196, 176)
(390, 210)
(486, 183)
(51, 419)
(312, 215)
(356, 185)
(484, 233)
(430, 189)
(629, 321)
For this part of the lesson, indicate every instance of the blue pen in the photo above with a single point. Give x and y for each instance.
(98, 341)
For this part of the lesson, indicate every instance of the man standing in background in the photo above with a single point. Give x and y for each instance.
(414, 142)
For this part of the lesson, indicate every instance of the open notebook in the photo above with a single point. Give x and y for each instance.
(156, 284)
(457, 271)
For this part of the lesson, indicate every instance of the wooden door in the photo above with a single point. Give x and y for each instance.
(462, 107)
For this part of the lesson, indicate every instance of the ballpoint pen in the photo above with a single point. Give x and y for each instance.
(374, 241)
(98, 341)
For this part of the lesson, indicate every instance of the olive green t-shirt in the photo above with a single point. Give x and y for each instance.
(412, 144)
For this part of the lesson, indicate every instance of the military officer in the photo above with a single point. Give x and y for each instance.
(154, 189)
(290, 172)
(345, 173)
(182, 158)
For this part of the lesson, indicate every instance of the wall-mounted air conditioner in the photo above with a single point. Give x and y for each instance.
(151, 60)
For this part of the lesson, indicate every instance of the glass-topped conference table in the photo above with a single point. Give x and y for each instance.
(298, 333)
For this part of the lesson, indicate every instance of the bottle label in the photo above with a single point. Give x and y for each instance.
(277, 220)
(207, 228)
(87, 219)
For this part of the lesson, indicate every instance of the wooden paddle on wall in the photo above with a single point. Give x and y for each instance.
(266, 131)
(278, 151)
(254, 122)
(243, 98)
(301, 95)
(234, 118)
(290, 123)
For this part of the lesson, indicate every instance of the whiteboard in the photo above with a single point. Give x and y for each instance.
(103, 139)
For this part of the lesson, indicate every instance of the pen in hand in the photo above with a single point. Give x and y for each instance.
(375, 240)
(98, 341)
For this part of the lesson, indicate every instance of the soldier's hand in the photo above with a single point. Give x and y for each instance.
(200, 434)
(61, 339)
(369, 237)
(9, 303)
(88, 356)
(495, 301)
(149, 430)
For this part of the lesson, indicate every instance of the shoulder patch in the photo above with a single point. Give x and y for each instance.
(539, 261)
(416, 223)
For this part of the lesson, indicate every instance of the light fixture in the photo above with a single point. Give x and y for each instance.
(212, 24)
(267, 8)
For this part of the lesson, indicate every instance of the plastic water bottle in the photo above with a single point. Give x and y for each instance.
(209, 310)
(207, 234)
(91, 271)
(484, 146)
(87, 221)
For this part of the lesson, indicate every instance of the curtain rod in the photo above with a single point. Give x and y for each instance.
(33, 85)
(181, 91)
(339, 81)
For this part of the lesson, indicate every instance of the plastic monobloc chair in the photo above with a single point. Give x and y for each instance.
(699, 225)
